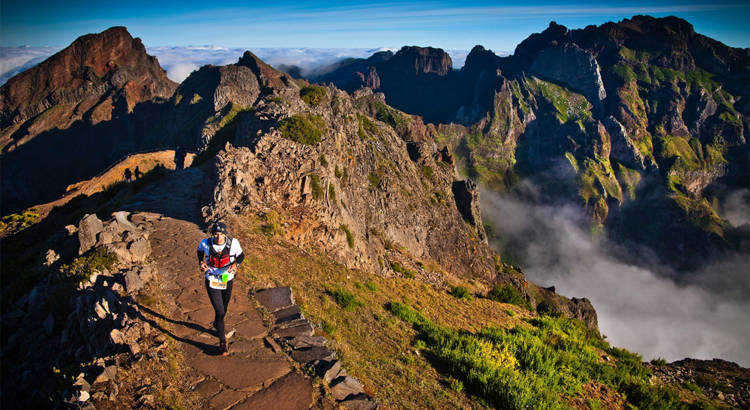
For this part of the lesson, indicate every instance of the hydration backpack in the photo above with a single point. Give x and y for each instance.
(216, 259)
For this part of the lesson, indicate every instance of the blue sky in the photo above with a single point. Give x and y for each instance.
(497, 25)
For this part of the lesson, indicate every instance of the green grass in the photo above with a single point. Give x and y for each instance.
(374, 180)
(461, 292)
(349, 236)
(346, 299)
(539, 365)
(312, 95)
(84, 266)
(408, 273)
(331, 192)
(506, 293)
(304, 129)
(273, 224)
(315, 187)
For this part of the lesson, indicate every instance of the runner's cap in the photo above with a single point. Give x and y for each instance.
(219, 227)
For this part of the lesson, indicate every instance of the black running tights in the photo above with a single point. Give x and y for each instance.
(220, 301)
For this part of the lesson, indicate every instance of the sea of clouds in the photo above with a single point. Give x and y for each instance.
(14, 60)
(181, 61)
(646, 308)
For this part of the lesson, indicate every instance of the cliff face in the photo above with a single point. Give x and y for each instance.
(77, 112)
(420, 81)
(627, 119)
(363, 183)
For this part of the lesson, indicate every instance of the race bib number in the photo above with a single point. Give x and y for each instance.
(217, 285)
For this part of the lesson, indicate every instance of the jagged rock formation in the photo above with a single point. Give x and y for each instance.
(416, 80)
(76, 113)
(98, 77)
(716, 379)
(359, 176)
(104, 325)
(571, 65)
(211, 98)
(374, 192)
(351, 71)
(599, 117)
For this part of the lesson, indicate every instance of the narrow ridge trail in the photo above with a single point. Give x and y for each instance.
(256, 374)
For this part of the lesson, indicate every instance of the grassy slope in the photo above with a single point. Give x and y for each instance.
(388, 354)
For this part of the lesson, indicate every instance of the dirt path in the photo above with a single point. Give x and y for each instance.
(256, 374)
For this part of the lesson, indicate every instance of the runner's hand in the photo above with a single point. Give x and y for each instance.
(203, 266)
(232, 268)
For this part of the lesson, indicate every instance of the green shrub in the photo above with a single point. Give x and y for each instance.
(346, 299)
(371, 286)
(337, 172)
(508, 294)
(312, 95)
(323, 161)
(304, 129)
(461, 292)
(692, 387)
(402, 270)
(24, 219)
(456, 385)
(374, 181)
(315, 187)
(273, 223)
(331, 192)
(84, 266)
(427, 172)
(659, 362)
(349, 236)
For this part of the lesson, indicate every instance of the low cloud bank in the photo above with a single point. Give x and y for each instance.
(14, 60)
(181, 61)
(704, 316)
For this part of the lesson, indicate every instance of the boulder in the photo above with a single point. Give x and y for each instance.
(133, 282)
(122, 223)
(139, 249)
(345, 388)
(329, 370)
(312, 354)
(88, 229)
(303, 342)
(276, 298)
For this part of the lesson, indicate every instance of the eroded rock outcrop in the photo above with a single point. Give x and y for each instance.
(94, 77)
(571, 65)
(356, 194)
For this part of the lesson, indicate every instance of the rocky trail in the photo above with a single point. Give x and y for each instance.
(257, 374)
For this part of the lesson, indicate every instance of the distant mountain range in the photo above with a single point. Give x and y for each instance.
(642, 122)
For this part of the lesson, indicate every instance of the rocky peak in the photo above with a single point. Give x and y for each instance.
(82, 73)
(422, 60)
(267, 76)
(101, 85)
(478, 61)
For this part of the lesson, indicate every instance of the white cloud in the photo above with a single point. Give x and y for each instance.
(181, 61)
(702, 315)
(14, 60)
